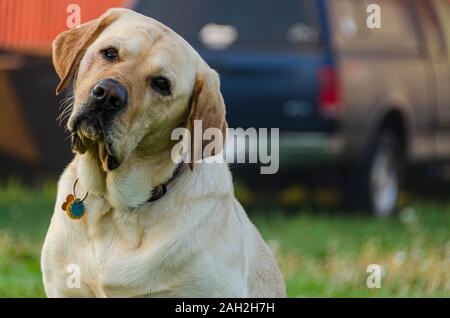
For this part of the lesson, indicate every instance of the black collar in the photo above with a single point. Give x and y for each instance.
(159, 191)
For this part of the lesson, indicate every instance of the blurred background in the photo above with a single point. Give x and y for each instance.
(360, 94)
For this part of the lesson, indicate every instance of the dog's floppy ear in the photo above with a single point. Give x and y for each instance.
(70, 46)
(208, 106)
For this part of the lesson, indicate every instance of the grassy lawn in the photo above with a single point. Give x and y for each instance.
(322, 254)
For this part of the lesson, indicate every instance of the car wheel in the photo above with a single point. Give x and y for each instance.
(375, 184)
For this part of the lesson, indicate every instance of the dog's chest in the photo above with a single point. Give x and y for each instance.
(106, 252)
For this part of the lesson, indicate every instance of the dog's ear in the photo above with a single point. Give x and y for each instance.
(70, 46)
(208, 106)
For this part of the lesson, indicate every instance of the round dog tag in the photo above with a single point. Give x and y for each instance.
(72, 206)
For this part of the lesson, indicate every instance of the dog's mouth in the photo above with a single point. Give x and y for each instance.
(90, 134)
(108, 157)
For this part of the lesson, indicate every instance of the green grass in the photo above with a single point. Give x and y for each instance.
(327, 256)
(321, 254)
(24, 218)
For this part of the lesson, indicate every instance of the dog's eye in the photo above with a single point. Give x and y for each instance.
(161, 85)
(110, 54)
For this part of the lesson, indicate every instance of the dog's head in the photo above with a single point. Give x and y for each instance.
(134, 81)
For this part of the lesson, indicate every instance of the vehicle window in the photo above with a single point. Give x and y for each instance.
(348, 20)
(397, 28)
(249, 22)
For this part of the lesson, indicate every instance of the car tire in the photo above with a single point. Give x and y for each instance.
(374, 184)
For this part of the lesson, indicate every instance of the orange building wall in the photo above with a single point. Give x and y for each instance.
(33, 24)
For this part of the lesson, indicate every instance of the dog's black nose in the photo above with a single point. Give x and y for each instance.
(109, 94)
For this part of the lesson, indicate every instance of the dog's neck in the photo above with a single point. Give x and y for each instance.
(131, 184)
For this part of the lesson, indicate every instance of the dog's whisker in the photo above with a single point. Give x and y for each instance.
(64, 113)
(69, 136)
(62, 118)
(64, 103)
(61, 122)
(66, 110)
(61, 115)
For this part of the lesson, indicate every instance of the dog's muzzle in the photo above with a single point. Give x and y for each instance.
(107, 99)
(109, 95)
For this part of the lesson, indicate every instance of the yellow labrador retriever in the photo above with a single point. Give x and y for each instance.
(137, 222)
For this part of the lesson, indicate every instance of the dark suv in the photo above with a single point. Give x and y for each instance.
(339, 90)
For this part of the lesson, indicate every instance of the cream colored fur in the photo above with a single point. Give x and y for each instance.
(196, 241)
